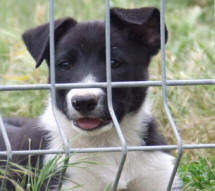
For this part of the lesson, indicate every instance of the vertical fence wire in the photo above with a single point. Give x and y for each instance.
(164, 95)
(8, 149)
(109, 97)
(53, 91)
(214, 23)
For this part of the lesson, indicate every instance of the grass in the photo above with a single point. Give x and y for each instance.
(189, 55)
(199, 174)
(37, 178)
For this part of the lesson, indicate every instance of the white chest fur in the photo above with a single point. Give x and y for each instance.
(143, 171)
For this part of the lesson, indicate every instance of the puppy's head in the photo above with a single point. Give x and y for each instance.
(80, 57)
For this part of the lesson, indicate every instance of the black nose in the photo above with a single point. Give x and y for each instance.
(84, 104)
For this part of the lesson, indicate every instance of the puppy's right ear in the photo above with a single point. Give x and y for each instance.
(37, 39)
(140, 24)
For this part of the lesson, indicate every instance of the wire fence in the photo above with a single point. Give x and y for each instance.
(109, 85)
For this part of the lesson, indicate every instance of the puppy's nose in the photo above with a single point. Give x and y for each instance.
(84, 104)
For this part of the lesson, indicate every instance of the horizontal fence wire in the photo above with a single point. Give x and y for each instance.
(104, 84)
(110, 149)
(109, 85)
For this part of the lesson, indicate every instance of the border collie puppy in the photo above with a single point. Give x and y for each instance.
(83, 113)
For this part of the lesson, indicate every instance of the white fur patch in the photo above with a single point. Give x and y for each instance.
(97, 92)
(143, 170)
(70, 130)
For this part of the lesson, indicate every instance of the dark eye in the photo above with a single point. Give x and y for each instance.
(65, 65)
(115, 63)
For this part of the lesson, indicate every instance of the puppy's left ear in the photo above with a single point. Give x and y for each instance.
(37, 39)
(142, 25)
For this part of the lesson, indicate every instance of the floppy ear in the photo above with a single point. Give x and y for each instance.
(37, 39)
(141, 24)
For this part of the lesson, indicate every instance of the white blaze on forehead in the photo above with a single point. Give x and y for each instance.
(98, 92)
(88, 79)
(86, 91)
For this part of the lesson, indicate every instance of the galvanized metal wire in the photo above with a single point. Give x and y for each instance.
(109, 98)
(109, 85)
(53, 92)
(104, 84)
(164, 94)
(111, 149)
(8, 150)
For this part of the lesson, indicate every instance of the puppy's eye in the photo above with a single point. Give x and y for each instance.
(65, 65)
(115, 63)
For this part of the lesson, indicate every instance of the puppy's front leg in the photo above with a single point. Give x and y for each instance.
(145, 184)
(155, 173)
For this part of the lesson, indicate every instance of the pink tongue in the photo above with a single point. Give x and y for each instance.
(86, 123)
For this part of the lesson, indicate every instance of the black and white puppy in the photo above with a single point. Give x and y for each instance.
(80, 57)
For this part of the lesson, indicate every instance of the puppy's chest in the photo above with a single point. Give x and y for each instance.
(93, 172)
(96, 171)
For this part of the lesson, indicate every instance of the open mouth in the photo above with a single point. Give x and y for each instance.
(90, 123)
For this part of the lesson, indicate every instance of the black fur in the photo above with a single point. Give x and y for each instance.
(24, 134)
(135, 38)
